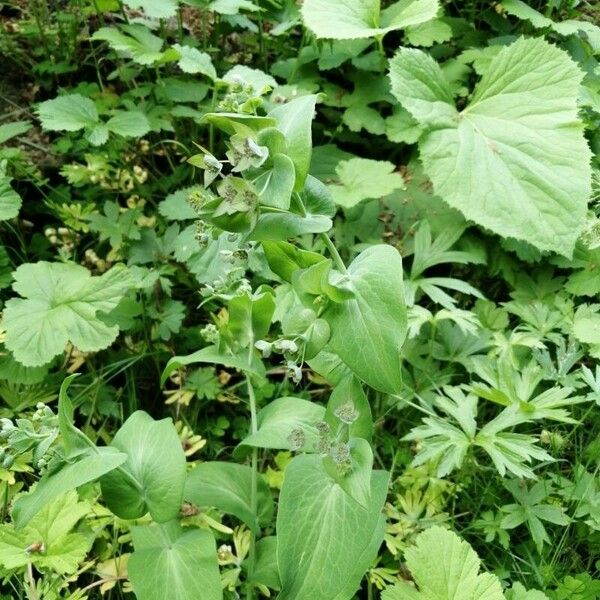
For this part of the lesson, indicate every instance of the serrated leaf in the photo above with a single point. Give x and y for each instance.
(362, 179)
(60, 303)
(152, 478)
(133, 41)
(175, 563)
(71, 112)
(63, 551)
(14, 129)
(348, 19)
(518, 147)
(175, 206)
(445, 567)
(568, 27)
(194, 61)
(10, 201)
(129, 123)
(157, 9)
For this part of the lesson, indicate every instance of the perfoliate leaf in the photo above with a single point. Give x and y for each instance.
(444, 567)
(60, 304)
(152, 478)
(347, 19)
(280, 418)
(362, 179)
(369, 329)
(68, 113)
(171, 562)
(226, 486)
(325, 539)
(518, 145)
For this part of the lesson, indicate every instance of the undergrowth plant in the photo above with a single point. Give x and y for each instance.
(314, 289)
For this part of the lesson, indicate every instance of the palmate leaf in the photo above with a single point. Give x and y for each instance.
(60, 303)
(348, 19)
(517, 148)
(444, 567)
(63, 550)
(363, 178)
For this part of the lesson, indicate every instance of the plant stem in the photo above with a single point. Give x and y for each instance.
(253, 476)
(337, 259)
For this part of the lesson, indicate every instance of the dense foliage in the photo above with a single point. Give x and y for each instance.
(300, 299)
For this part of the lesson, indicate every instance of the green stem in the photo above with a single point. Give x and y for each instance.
(253, 476)
(337, 259)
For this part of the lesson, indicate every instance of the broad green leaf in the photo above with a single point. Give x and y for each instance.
(71, 112)
(211, 354)
(444, 567)
(226, 486)
(63, 551)
(152, 478)
(10, 201)
(98, 135)
(517, 148)
(325, 539)
(129, 123)
(368, 331)
(284, 258)
(74, 441)
(14, 129)
(175, 563)
(257, 79)
(565, 28)
(347, 19)
(265, 568)
(135, 42)
(282, 226)
(518, 592)
(250, 316)
(363, 178)
(280, 418)
(61, 303)
(349, 390)
(157, 9)
(294, 120)
(175, 206)
(586, 324)
(275, 186)
(227, 122)
(194, 61)
(87, 467)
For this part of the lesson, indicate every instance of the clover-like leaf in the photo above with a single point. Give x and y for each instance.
(517, 148)
(61, 303)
